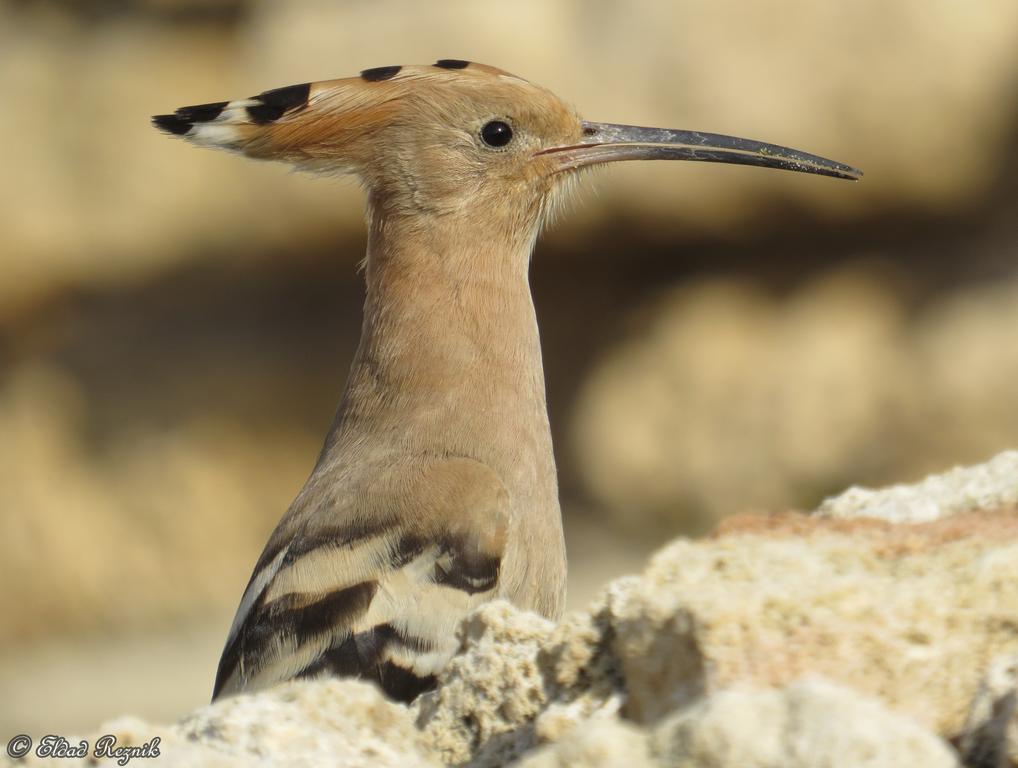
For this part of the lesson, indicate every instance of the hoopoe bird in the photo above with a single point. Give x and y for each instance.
(436, 488)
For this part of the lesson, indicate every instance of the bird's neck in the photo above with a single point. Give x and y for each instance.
(449, 361)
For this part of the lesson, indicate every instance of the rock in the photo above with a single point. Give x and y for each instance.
(911, 614)
(342, 722)
(788, 640)
(907, 614)
(597, 743)
(661, 652)
(808, 724)
(990, 737)
(992, 485)
(519, 681)
(491, 692)
(333, 722)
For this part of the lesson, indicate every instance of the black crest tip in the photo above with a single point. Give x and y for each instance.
(201, 113)
(174, 124)
(273, 104)
(452, 64)
(260, 114)
(288, 97)
(378, 74)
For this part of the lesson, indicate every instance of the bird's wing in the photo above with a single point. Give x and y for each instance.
(377, 593)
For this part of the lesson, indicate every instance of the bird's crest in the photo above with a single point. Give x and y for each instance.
(318, 121)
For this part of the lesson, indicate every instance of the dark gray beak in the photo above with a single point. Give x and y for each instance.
(609, 143)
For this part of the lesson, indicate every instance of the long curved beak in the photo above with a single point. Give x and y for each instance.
(609, 143)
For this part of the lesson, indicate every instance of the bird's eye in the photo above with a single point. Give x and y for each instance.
(496, 134)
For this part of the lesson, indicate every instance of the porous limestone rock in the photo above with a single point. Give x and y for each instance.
(298, 725)
(988, 486)
(908, 614)
(491, 691)
(990, 738)
(788, 640)
(911, 614)
(597, 743)
(808, 724)
(519, 681)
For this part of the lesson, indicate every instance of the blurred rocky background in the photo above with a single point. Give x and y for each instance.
(175, 325)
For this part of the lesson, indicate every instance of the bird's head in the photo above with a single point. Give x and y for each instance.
(451, 138)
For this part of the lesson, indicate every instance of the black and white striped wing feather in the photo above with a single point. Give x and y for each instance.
(380, 604)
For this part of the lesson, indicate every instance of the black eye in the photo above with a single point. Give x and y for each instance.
(496, 133)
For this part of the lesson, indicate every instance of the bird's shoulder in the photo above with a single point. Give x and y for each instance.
(370, 577)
